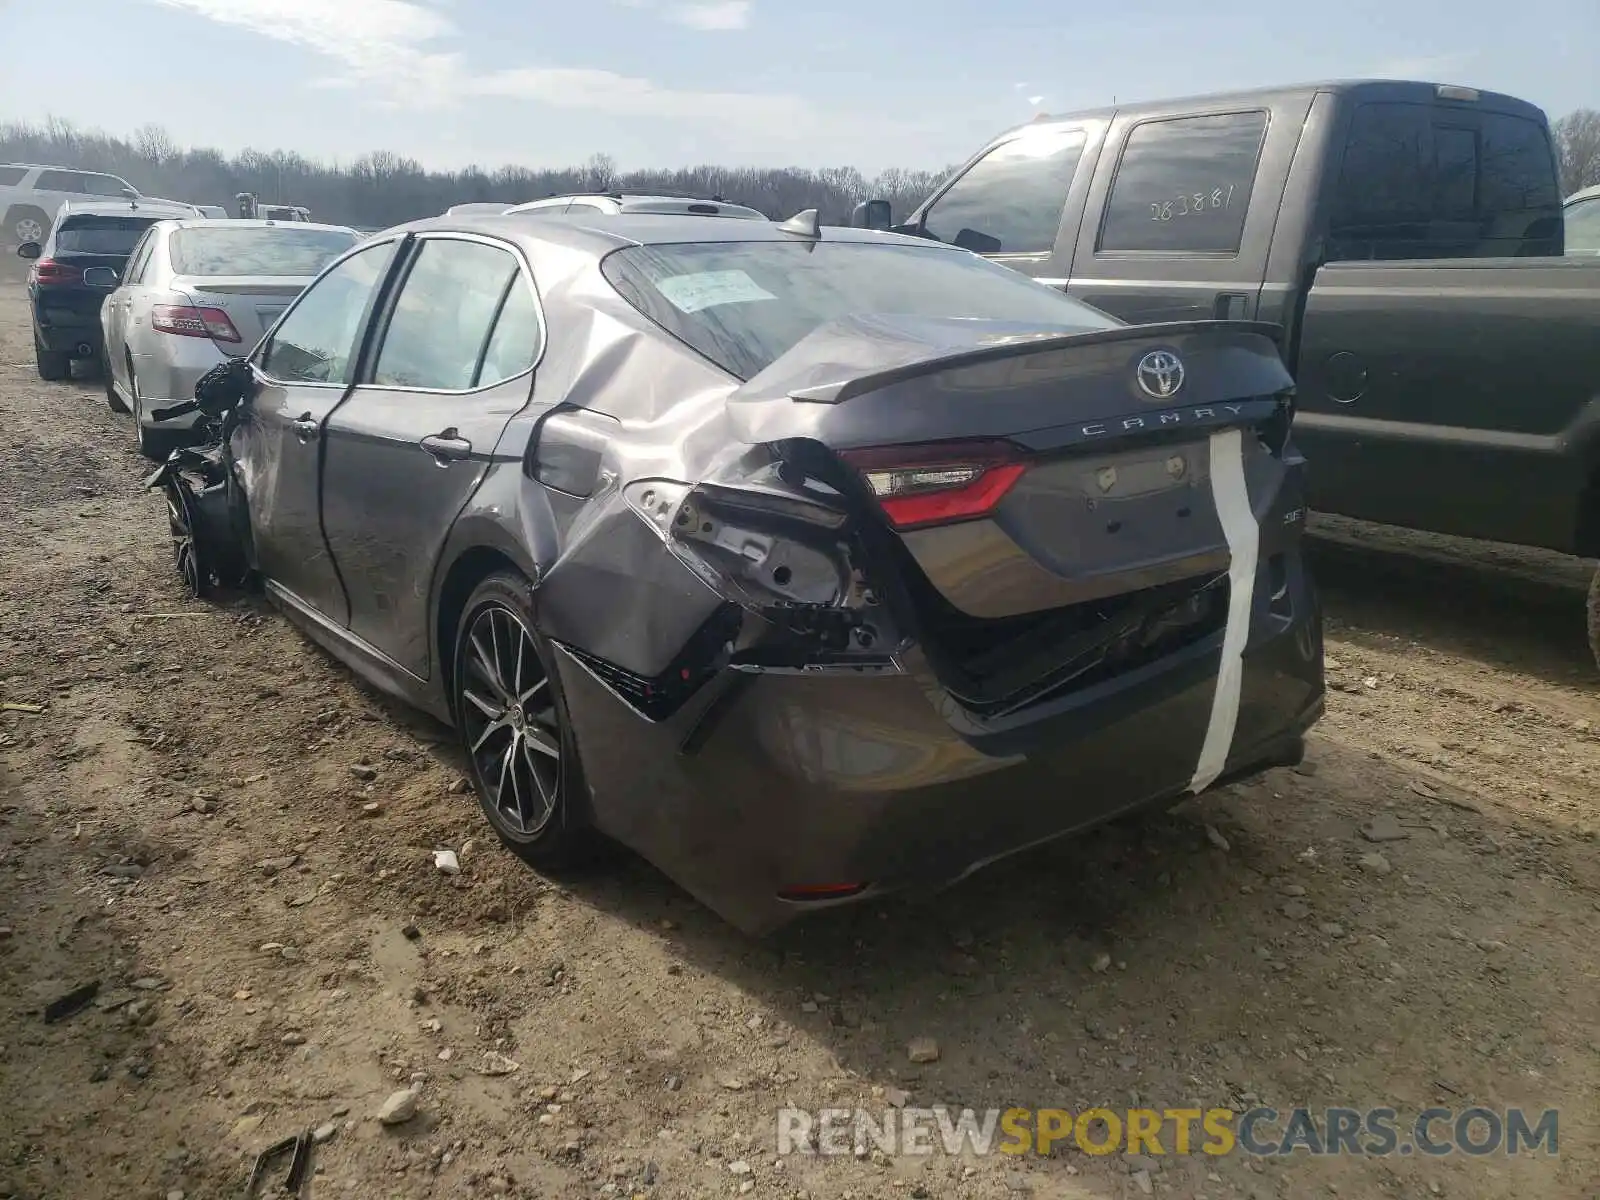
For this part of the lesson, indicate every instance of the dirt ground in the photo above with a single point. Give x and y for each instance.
(183, 825)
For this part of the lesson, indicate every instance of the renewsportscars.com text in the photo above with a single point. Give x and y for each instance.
(1261, 1131)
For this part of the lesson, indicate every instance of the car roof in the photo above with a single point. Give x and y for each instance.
(1588, 193)
(122, 208)
(1402, 90)
(240, 223)
(645, 202)
(48, 167)
(600, 234)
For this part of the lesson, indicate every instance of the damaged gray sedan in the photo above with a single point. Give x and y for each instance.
(810, 563)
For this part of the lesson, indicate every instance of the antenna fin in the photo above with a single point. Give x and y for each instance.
(806, 224)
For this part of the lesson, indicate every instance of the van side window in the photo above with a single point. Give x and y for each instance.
(1183, 185)
(1421, 182)
(1010, 200)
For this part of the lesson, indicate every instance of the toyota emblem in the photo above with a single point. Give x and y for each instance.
(1160, 374)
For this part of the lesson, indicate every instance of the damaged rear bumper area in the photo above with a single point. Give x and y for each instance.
(924, 619)
(820, 756)
(773, 794)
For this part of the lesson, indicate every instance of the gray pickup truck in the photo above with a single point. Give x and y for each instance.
(1408, 239)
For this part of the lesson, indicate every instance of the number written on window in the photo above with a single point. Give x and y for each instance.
(1193, 203)
(1183, 185)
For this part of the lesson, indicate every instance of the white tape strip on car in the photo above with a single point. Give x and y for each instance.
(1232, 498)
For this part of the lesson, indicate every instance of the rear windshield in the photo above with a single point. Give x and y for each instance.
(744, 304)
(1583, 227)
(258, 251)
(100, 235)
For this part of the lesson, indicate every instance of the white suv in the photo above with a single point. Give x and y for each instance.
(30, 196)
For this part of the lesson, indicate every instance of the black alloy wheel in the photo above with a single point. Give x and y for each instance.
(186, 554)
(514, 726)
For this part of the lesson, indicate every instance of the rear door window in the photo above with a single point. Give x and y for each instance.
(11, 176)
(514, 345)
(1183, 185)
(441, 322)
(70, 182)
(1010, 200)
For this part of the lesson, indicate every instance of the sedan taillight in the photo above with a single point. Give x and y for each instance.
(938, 484)
(48, 271)
(183, 320)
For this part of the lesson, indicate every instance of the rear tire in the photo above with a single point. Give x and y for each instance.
(156, 445)
(114, 401)
(511, 715)
(53, 365)
(1594, 616)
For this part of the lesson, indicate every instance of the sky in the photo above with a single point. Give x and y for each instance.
(919, 84)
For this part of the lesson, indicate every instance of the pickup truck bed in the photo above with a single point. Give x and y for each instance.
(1456, 396)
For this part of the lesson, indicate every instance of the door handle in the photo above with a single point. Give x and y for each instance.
(447, 446)
(305, 428)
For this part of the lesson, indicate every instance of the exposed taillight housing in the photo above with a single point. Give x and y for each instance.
(938, 484)
(48, 272)
(184, 320)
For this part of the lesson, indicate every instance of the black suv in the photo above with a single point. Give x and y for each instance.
(78, 265)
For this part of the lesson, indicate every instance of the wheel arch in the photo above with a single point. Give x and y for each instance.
(469, 567)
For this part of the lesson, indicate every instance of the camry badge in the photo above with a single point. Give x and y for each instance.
(1160, 374)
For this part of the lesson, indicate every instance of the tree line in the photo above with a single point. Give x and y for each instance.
(382, 188)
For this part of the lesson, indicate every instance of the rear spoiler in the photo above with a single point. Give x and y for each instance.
(874, 381)
(861, 384)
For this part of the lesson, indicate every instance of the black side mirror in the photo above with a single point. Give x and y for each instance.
(225, 385)
(872, 214)
(30, 250)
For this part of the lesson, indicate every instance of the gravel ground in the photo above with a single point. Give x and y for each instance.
(275, 950)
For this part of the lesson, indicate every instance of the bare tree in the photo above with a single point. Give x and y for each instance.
(154, 143)
(1578, 142)
(600, 172)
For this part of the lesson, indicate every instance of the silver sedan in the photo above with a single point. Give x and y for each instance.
(196, 292)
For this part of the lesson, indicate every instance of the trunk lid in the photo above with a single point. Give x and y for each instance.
(1087, 456)
(253, 302)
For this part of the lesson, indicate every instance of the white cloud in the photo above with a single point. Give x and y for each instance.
(391, 49)
(714, 14)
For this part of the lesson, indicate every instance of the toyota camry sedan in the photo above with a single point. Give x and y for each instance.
(811, 563)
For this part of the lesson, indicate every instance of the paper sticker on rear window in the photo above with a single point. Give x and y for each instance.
(707, 289)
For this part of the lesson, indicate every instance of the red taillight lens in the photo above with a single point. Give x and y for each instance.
(939, 484)
(48, 271)
(822, 891)
(182, 320)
